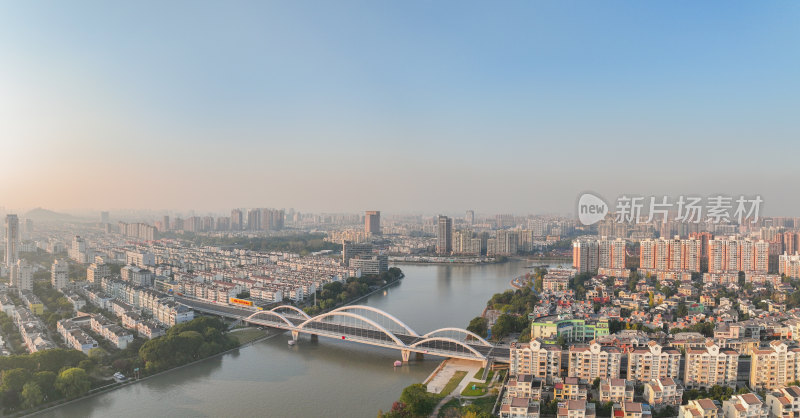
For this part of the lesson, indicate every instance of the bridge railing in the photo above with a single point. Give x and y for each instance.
(371, 325)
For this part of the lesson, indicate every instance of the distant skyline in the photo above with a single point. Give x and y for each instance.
(427, 107)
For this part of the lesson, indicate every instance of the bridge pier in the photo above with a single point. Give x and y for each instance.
(295, 334)
(406, 354)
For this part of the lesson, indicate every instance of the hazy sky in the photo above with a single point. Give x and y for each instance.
(398, 106)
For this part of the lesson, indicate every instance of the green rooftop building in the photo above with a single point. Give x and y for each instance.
(550, 328)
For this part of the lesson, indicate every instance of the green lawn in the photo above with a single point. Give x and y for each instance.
(480, 389)
(479, 374)
(485, 404)
(476, 405)
(454, 381)
(246, 335)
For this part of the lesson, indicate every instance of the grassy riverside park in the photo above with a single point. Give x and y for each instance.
(453, 383)
(480, 389)
(482, 407)
(247, 335)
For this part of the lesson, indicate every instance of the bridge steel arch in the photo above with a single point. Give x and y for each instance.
(459, 330)
(332, 313)
(379, 312)
(449, 340)
(294, 308)
(283, 318)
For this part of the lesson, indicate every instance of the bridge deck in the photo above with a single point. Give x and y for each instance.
(335, 330)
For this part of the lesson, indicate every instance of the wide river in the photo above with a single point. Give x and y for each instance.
(328, 378)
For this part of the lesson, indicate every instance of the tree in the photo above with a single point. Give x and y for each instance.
(14, 379)
(417, 400)
(32, 395)
(604, 409)
(46, 382)
(73, 382)
(97, 354)
(478, 325)
(525, 335)
(9, 398)
(507, 324)
(682, 310)
(121, 364)
(633, 280)
(561, 341)
(86, 364)
(538, 284)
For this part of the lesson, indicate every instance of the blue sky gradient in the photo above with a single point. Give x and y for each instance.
(400, 106)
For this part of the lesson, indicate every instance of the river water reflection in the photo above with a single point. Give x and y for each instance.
(327, 378)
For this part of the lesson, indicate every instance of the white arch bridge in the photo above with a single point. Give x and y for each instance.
(368, 325)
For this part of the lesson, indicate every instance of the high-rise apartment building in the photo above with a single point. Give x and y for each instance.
(734, 255)
(589, 255)
(12, 241)
(355, 249)
(594, 361)
(703, 237)
(254, 220)
(774, 367)
(78, 251)
(272, 219)
(709, 366)
(539, 360)
(507, 242)
(24, 276)
(790, 242)
(372, 222)
(653, 362)
(97, 271)
(143, 231)
(444, 235)
(505, 220)
(618, 254)
(465, 243)
(585, 256)
(670, 254)
(59, 274)
(470, 217)
(237, 220)
(789, 264)
(222, 223)
(691, 254)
